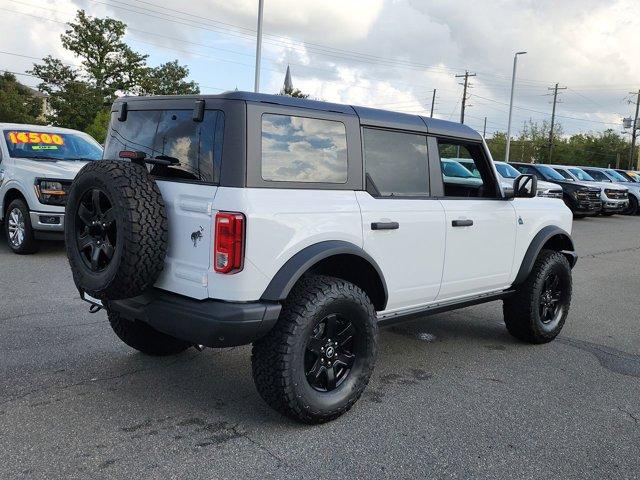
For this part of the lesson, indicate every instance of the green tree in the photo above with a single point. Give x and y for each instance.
(167, 79)
(17, 103)
(99, 126)
(108, 67)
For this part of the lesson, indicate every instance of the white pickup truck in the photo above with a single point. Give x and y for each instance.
(37, 166)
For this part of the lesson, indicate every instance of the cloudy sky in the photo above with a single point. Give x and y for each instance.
(382, 53)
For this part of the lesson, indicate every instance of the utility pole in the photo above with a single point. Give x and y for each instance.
(553, 117)
(513, 86)
(484, 128)
(464, 92)
(256, 86)
(433, 102)
(634, 133)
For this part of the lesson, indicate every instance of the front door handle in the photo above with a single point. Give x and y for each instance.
(462, 223)
(385, 226)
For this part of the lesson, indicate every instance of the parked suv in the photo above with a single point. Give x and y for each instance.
(37, 165)
(301, 227)
(610, 176)
(583, 199)
(615, 199)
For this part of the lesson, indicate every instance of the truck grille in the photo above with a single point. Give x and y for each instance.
(589, 195)
(616, 194)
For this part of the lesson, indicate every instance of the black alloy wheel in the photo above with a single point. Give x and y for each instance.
(330, 353)
(96, 233)
(550, 302)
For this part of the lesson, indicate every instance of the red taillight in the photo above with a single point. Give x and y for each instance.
(229, 242)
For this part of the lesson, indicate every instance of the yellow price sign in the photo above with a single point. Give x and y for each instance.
(36, 138)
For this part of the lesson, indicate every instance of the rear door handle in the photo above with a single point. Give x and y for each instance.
(385, 226)
(462, 223)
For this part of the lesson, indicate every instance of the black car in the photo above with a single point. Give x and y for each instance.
(583, 199)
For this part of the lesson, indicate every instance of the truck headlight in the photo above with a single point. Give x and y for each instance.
(52, 192)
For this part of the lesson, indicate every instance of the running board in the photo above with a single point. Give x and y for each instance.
(397, 317)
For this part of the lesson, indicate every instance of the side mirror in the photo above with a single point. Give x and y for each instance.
(525, 186)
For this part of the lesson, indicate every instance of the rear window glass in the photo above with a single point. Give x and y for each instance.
(301, 149)
(51, 145)
(195, 148)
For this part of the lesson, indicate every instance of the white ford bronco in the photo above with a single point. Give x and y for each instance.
(301, 227)
(37, 166)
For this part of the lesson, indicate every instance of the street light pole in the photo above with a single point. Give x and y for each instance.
(513, 84)
(256, 87)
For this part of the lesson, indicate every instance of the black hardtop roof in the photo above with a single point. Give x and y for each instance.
(368, 116)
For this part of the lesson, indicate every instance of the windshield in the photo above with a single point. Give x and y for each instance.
(564, 173)
(550, 173)
(51, 146)
(454, 169)
(507, 171)
(582, 175)
(616, 176)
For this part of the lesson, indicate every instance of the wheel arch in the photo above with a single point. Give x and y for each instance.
(550, 238)
(10, 195)
(334, 258)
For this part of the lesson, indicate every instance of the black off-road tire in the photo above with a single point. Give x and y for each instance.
(522, 310)
(278, 359)
(142, 337)
(141, 230)
(29, 243)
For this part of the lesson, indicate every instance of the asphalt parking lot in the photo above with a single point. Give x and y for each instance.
(453, 395)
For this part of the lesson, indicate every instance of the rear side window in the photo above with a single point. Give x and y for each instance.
(302, 149)
(396, 163)
(195, 148)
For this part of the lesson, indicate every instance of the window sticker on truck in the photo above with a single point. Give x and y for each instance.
(35, 137)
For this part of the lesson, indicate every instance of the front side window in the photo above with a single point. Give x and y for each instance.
(37, 145)
(458, 162)
(599, 176)
(507, 171)
(193, 149)
(301, 149)
(396, 163)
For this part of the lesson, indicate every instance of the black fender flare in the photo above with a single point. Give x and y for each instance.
(541, 238)
(284, 280)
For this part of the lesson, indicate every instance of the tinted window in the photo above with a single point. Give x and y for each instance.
(550, 173)
(194, 147)
(301, 149)
(396, 162)
(51, 145)
(598, 175)
(564, 173)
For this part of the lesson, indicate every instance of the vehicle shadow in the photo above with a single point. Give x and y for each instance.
(213, 390)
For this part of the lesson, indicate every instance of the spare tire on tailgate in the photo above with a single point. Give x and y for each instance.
(115, 229)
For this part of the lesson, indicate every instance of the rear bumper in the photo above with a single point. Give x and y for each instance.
(212, 323)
